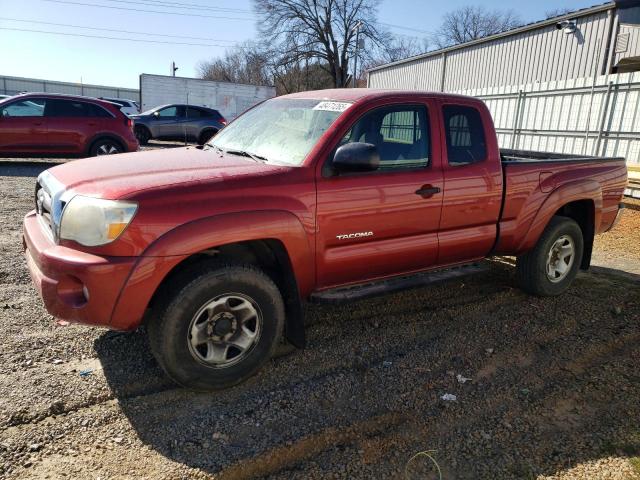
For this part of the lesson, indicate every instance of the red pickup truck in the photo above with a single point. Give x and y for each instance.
(329, 195)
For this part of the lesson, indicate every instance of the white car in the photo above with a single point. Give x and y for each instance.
(128, 107)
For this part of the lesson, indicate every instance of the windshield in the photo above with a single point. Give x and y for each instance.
(280, 130)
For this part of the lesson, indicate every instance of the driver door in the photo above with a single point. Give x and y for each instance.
(378, 224)
(169, 123)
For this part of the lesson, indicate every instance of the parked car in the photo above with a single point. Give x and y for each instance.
(317, 196)
(128, 107)
(52, 124)
(178, 122)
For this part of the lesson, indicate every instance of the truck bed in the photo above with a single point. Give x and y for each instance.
(529, 156)
(531, 178)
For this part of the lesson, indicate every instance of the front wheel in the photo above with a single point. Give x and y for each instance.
(549, 269)
(218, 329)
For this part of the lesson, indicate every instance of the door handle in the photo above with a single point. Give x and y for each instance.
(427, 191)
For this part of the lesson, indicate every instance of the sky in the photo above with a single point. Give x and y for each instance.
(26, 51)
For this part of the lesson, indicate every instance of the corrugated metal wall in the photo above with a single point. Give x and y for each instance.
(417, 75)
(15, 85)
(538, 55)
(229, 98)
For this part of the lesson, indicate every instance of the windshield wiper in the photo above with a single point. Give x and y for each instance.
(244, 153)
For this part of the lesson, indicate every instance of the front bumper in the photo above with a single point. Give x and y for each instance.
(75, 286)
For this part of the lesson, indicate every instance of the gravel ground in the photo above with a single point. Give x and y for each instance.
(548, 388)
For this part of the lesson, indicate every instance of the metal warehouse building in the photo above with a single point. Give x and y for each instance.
(569, 84)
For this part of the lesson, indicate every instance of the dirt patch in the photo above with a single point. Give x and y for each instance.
(554, 389)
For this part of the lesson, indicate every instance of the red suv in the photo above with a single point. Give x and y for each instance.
(51, 124)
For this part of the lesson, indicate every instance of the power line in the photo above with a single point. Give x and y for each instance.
(145, 11)
(117, 31)
(116, 38)
(405, 28)
(193, 14)
(166, 4)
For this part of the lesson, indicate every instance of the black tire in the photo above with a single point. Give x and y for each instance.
(105, 146)
(531, 268)
(206, 136)
(169, 329)
(143, 135)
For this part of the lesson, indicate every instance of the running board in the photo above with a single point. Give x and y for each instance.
(395, 284)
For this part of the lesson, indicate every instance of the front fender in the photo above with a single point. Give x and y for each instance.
(178, 244)
(567, 193)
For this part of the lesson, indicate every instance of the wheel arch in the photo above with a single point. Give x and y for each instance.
(282, 251)
(101, 136)
(269, 254)
(581, 201)
(206, 129)
(583, 212)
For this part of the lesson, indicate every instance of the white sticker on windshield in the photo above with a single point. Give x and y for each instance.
(332, 106)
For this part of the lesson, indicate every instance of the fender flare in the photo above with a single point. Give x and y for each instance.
(570, 192)
(169, 250)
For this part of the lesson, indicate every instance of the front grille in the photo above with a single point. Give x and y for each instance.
(49, 202)
(43, 207)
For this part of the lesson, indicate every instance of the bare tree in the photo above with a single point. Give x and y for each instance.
(557, 12)
(398, 48)
(320, 31)
(473, 22)
(244, 63)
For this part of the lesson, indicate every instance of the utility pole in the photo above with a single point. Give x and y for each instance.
(355, 57)
(173, 68)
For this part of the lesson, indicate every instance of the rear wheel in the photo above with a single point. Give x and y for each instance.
(105, 146)
(549, 269)
(143, 135)
(219, 328)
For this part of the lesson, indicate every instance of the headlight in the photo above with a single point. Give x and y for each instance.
(95, 221)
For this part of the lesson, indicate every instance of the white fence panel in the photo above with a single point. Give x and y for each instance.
(576, 116)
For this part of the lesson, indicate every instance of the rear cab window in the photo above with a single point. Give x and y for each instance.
(465, 137)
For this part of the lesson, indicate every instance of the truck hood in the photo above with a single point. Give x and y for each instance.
(120, 176)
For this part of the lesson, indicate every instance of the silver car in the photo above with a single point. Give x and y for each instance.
(178, 122)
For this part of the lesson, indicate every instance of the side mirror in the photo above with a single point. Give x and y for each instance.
(356, 157)
(156, 114)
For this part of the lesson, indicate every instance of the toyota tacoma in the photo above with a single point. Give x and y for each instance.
(330, 195)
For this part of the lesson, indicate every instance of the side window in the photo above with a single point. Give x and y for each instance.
(466, 142)
(74, 109)
(96, 111)
(168, 112)
(196, 113)
(400, 134)
(33, 107)
(65, 108)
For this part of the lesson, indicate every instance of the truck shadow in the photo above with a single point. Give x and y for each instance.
(552, 384)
